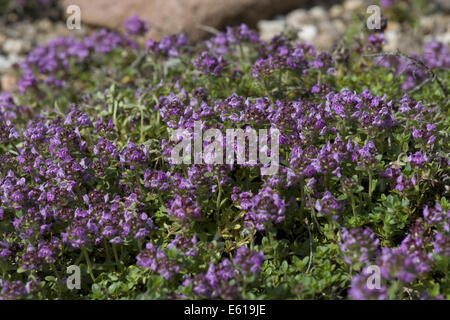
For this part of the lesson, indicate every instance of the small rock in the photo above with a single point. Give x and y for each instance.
(13, 46)
(336, 11)
(318, 13)
(2, 38)
(393, 26)
(9, 82)
(298, 18)
(325, 41)
(352, 5)
(270, 28)
(29, 32)
(4, 64)
(44, 25)
(392, 40)
(12, 17)
(308, 33)
(338, 25)
(444, 38)
(427, 23)
(327, 36)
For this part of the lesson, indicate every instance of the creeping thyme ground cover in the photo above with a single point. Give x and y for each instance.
(363, 179)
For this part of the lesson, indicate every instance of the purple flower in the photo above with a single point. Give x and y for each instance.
(136, 26)
(359, 246)
(183, 207)
(209, 64)
(155, 259)
(248, 261)
(265, 207)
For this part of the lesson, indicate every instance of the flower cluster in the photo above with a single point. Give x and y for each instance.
(136, 26)
(155, 258)
(265, 207)
(57, 56)
(359, 246)
(168, 46)
(409, 262)
(10, 290)
(86, 176)
(216, 282)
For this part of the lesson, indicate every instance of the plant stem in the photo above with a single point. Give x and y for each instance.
(219, 196)
(142, 126)
(88, 261)
(302, 198)
(115, 114)
(353, 204)
(59, 281)
(116, 257)
(370, 188)
(241, 49)
(108, 254)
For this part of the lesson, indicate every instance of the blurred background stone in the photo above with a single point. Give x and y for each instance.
(175, 16)
(8, 82)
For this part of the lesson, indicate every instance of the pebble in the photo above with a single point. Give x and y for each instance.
(8, 82)
(443, 37)
(336, 11)
(308, 33)
(427, 23)
(318, 13)
(392, 37)
(13, 46)
(44, 25)
(270, 28)
(298, 18)
(352, 5)
(4, 64)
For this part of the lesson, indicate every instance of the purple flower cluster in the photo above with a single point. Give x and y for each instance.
(402, 182)
(87, 177)
(280, 55)
(183, 207)
(328, 204)
(156, 259)
(436, 55)
(136, 26)
(208, 64)
(407, 263)
(184, 244)
(265, 207)
(369, 111)
(359, 245)
(169, 46)
(48, 182)
(216, 281)
(377, 40)
(225, 42)
(12, 290)
(56, 56)
(249, 262)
